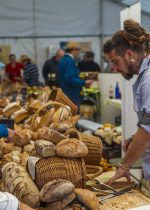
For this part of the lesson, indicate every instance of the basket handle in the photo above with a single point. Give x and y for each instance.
(92, 176)
(73, 131)
(48, 104)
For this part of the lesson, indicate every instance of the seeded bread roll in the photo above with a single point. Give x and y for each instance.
(56, 190)
(45, 148)
(71, 148)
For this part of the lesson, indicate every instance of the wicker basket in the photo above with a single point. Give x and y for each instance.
(70, 169)
(51, 104)
(58, 95)
(94, 145)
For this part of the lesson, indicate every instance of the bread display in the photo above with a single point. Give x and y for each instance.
(11, 108)
(56, 190)
(88, 198)
(45, 148)
(71, 148)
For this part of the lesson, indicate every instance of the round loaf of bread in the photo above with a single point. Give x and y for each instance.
(71, 148)
(56, 190)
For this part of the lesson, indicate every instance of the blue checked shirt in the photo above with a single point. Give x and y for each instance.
(141, 94)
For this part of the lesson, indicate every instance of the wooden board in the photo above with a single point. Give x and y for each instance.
(126, 201)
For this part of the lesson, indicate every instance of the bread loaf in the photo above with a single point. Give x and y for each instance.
(59, 205)
(56, 190)
(71, 148)
(36, 104)
(48, 134)
(45, 148)
(88, 198)
(61, 114)
(18, 182)
(22, 138)
(29, 148)
(20, 115)
(11, 108)
(46, 119)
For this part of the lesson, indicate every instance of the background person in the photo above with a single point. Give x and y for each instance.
(31, 73)
(88, 64)
(129, 53)
(68, 74)
(14, 69)
(50, 68)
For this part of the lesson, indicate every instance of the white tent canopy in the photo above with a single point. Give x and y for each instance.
(31, 26)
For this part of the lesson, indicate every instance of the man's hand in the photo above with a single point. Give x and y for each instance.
(121, 172)
(10, 135)
(88, 83)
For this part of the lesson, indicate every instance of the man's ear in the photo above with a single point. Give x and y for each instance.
(129, 54)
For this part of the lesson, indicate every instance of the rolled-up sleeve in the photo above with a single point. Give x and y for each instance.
(145, 99)
(3, 131)
(8, 201)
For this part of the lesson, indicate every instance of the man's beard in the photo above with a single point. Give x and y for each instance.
(130, 73)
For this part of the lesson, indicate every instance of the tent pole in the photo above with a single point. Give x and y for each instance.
(34, 30)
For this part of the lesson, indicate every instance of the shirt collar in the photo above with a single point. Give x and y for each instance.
(145, 64)
(70, 55)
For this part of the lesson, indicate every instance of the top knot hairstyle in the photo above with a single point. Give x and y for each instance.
(132, 37)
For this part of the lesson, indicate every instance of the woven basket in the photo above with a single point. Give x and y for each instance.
(51, 104)
(70, 169)
(93, 143)
(58, 95)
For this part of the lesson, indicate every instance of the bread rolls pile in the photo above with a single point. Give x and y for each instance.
(60, 193)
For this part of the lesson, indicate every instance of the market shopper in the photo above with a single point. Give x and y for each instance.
(68, 74)
(50, 68)
(14, 69)
(31, 74)
(88, 64)
(129, 53)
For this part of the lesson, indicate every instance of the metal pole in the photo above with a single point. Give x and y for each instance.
(101, 34)
(34, 30)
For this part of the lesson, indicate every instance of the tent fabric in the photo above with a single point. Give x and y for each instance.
(49, 18)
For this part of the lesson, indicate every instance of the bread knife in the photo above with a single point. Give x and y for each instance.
(120, 192)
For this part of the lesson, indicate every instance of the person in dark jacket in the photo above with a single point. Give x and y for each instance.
(88, 64)
(50, 69)
(68, 75)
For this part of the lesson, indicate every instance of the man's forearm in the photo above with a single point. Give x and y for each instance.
(140, 142)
